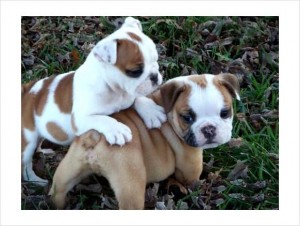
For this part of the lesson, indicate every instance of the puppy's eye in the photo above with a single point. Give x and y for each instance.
(134, 73)
(225, 113)
(188, 118)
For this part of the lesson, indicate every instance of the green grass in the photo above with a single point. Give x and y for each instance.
(184, 51)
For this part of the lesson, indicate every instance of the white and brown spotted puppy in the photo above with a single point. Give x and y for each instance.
(199, 115)
(121, 68)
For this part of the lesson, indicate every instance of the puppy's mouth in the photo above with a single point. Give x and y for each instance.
(190, 139)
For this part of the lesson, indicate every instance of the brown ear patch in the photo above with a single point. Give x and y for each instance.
(63, 95)
(56, 131)
(129, 55)
(134, 36)
(224, 91)
(170, 92)
(229, 82)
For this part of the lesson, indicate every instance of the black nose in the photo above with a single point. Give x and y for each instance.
(154, 78)
(209, 132)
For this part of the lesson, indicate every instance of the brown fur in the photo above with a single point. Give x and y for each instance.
(26, 87)
(134, 36)
(170, 93)
(64, 94)
(41, 96)
(228, 81)
(181, 106)
(174, 96)
(23, 141)
(73, 123)
(37, 101)
(28, 101)
(56, 131)
(224, 91)
(199, 79)
(152, 155)
(129, 55)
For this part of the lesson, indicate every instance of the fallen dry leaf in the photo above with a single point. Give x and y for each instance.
(257, 198)
(240, 170)
(151, 195)
(109, 202)
(257, 185)
(236, 142)
(174, 182)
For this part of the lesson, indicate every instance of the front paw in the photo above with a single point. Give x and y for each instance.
(118, 134)
(155, 117)
(152, 114)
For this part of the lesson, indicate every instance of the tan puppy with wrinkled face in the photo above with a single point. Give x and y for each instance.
(199, 111)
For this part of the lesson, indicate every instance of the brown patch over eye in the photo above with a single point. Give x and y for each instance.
(129, 56)
(185, 117)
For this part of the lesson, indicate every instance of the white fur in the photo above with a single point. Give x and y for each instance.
(131, 22)
(37, 86)
(145, 106)
(52, 113)
(88, 108)
(28, 173)
(207, 103)
(106, 51)
(99, 89)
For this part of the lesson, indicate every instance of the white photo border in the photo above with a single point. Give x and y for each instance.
(11, 12)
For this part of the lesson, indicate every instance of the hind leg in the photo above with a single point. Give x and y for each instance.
(65, 178)
(30, 141)
(126, 174)
(71, 170)
(129, 189)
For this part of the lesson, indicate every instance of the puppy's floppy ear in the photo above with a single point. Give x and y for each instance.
(231, 82)
(131, 22)
(170, 91)
(106, 51)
